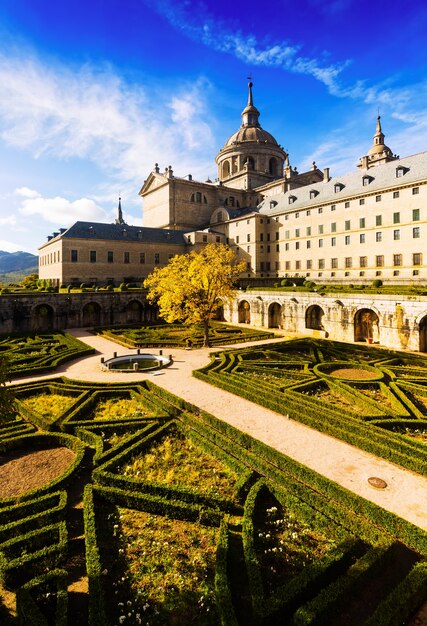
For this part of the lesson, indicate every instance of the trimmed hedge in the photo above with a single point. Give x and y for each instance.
(27, 609)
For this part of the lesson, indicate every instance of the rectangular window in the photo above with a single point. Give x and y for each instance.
(308, 212)
(287, 265)
(348, 262)
(74, 256)
(308, 244)
(396, 235)
(333, 207)
(363, 261)
(205, 238)
(320, 229)
(237, 239)
(286, 247)
(320, 210)
(396, 193)
(92, 256)
(379, 260)
(347, 240)
(277, 236)
(297, 245)
(142, 258)
(417, 258)
(126, 257)
(347, 205)
(297, 265)
(333, 227)
(110, 256)
(397, 260)
(261, 237)
(308, 231)
(415, 215)
(378, 220)
(334, 264)
(297, 232)
(277, 247)
(248, 237)
(320, 243)
(309, 264)
(378, 198)
(416, 232)
(362, 222)
(286, 234)
(268, 236)
(333, 241)
(362, 201)
(378, 236)
(156, 258)
(415, 191)
(396, 218)
(347, 225)
(321, 264)
(362, 238)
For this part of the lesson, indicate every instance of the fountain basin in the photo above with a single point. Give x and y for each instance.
(136, 362)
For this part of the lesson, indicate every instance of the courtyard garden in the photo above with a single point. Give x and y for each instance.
(123, 504)
(160, 335)
(372, 398)
(35, 353)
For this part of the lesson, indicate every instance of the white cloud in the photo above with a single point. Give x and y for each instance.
(90, 113)
(10, 220)
(26, 192)
(9, 246)
(60, 211)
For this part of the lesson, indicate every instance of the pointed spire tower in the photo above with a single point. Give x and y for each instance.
(379, 153)
(251, 157)
(119, 219)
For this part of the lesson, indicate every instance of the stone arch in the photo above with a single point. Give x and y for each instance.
(150, 312)
(134, 311)
(366, 326)
(91, 314)
(313, 317)
(272, 166)
(274, 315)
(42, 317)
(225, 169)
(422, 326)
(244, 312)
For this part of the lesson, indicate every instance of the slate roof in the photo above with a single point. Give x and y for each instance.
(382, 178)
(123, 232)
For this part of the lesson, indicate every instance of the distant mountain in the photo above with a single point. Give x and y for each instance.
(17, 262)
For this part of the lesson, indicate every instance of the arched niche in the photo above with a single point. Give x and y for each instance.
(313, 317)
(366, 326)
(274, 315)
(42, 317)
(244, 312)
(91, 314)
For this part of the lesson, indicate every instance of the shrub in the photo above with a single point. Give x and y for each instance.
(377, 283)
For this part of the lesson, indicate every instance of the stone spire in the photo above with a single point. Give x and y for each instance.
(379, 153)
(119, 219)
(250, 113)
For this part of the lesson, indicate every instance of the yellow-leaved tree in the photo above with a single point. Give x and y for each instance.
(192, 286)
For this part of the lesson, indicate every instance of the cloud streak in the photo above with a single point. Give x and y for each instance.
(90, 113)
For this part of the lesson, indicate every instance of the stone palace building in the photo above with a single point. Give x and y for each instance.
(355, 228)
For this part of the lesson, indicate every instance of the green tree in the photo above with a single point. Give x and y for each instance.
(7, 400)
(192, 286)
(30, 281)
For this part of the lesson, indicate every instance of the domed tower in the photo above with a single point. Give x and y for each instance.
(379, 153)
(251, 157)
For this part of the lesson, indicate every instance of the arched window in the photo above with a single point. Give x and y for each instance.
(272, 166)
(250, 163)
(225, 169)
(313, 317)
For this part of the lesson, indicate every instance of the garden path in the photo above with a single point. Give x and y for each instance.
(406, 492)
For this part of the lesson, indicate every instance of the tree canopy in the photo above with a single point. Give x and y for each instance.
(192, 286)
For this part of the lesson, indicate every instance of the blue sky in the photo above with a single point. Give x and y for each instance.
(93, 93)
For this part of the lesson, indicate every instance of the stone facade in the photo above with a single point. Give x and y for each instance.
(394, 323)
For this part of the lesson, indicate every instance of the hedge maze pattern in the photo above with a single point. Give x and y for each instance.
(35, 353)
(177, 335)
(168, 516)
(372, 398)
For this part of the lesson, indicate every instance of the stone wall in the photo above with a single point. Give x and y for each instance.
(398, 322)
(42, 312)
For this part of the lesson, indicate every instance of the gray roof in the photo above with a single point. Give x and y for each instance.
(123, 232)
(382, 177)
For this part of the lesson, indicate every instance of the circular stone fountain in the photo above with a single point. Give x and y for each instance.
(136, 362)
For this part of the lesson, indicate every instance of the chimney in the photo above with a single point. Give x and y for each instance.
(365, 163)
(326, 175)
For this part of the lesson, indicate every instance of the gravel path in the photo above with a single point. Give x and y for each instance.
(405, 494)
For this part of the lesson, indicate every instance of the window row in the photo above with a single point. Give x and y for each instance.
(416, 234)
(349, 262)
(347, 204)
(52, 257)
(115, 257)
